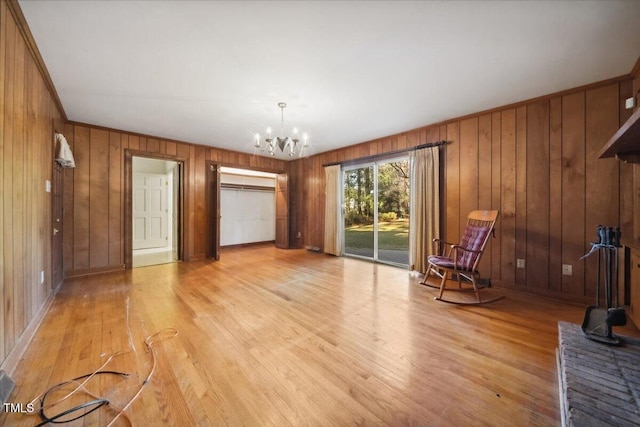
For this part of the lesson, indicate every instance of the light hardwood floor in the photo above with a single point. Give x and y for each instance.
(290, 337)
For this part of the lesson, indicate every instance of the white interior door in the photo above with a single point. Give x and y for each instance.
(149, 210)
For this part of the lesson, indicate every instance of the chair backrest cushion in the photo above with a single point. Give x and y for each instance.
(473, 238)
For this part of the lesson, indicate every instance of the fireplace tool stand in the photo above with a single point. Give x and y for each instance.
(598, 321)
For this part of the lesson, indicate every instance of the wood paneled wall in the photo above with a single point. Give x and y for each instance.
(27, 115)
(536, 162)
(94, 193)
(633, 206)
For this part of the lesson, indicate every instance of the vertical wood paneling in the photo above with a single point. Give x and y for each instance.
(496, 201)
(3, 266)
(68, 222)
(31, 177)
(20, 186)
(134, 142)
(508, 196)
(26, 115)
(573, 190)
(116, 257)
(171, 148)
(485, 156)
(190, 204)
(555, 194)
(153, 145)
(99, 198)
(8, 160)
(626, 169)
(484, 184)
(537, 202)
(468, 171)
(81, 207)
(199, 201)
(521, 192)
(602, 204)
(433, 134)
(452, 201)
(444, 155)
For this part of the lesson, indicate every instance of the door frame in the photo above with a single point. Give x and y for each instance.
(57, 225)
(183, 165)
(212, 200)
(283, 224)
(213, 206)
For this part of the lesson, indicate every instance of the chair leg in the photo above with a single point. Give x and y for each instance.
(475, 288)
(442, 284)
(426, 275)
(431, 269)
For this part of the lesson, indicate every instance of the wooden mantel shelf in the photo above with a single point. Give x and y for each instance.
(625, 143)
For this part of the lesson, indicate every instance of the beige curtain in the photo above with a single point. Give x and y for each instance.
(332, 235)
(425, 205)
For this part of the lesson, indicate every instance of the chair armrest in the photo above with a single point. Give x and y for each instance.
(462, 248)
(439, 246)
(442, 242)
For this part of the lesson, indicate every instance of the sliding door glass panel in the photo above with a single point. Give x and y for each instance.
(393, 212)
(359, 212)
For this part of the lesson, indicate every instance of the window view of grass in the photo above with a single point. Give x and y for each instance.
(391, 235)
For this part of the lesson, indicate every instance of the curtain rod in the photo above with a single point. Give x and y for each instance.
(390, 153)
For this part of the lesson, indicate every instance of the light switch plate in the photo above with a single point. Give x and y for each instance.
(47, 186)
(629, 103)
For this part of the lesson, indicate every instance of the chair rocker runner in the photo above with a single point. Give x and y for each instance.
(462, 259)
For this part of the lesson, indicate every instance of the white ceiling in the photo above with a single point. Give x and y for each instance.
(212, 72)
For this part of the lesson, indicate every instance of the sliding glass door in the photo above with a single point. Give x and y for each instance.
(393, 212)
(359, 213)
(376, 211)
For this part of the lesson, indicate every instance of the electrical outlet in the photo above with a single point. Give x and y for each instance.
(41, 277)
(567, 270)
(299, 236)
(520, 263)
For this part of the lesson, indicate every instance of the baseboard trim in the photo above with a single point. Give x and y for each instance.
(89, 272)
(10, 363)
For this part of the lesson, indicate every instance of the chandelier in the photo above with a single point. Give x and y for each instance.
(286, 144)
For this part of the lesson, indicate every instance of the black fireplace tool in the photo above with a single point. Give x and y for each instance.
(598, 321)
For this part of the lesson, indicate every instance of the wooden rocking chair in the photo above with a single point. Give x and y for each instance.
(463, 258)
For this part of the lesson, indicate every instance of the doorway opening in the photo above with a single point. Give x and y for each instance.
(245, 207)
(155, 199)
(376, 200)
